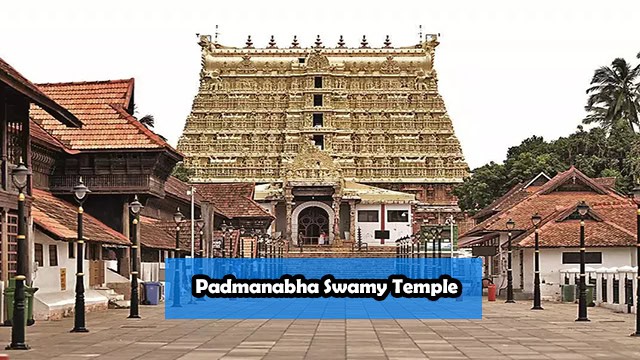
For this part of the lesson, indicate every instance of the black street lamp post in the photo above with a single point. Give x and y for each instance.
(135, 208)
(177, 218)
(535, 219)
(20, 177)
(200, 225)
(636, 196)
(80, 192)
(510, 225)
(583, 209)
(434, 236)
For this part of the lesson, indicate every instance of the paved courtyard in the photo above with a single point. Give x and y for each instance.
(507, 331)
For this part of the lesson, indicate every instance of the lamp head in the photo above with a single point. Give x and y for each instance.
(80, 191)
(535, 219)
(20, 175)
(178, 217)
(135, 206)
(511, 224)
(583, 208)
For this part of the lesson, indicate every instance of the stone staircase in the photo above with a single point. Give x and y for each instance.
(116, 301)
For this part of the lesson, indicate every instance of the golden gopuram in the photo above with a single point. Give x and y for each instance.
(337, 140)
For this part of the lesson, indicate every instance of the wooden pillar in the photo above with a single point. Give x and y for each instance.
(207, 215)
(125, 260)
(5, 246)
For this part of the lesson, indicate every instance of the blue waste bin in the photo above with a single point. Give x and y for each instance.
(152, 292)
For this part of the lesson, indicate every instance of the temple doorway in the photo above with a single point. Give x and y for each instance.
(313, 226)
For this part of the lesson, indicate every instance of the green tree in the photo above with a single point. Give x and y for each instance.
(614, 95)
(182, 172)
(485, 184)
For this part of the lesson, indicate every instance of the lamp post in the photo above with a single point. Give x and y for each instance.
(200, 225)
(434, 236)
(535, 219)
(636, 197)
(80, 192)
(20, 177)
(135, 208)
(510, 225)
(177, 218)
(440, 241)
(227, 230)
(583, 209)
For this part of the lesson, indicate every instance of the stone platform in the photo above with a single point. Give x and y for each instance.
(507, 331)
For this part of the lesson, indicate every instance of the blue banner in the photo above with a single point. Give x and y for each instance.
(354, 288)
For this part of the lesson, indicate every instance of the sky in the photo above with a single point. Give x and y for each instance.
(507, 70)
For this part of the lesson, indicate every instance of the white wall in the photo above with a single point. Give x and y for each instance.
(396, 229)
(551, 264)
(47, 278)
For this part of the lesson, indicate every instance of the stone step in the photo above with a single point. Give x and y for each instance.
(119, 304)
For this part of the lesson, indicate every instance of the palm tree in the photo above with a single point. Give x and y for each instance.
(147, 121)
(614, 95)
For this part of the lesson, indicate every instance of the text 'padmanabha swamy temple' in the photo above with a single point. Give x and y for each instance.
(335, 141)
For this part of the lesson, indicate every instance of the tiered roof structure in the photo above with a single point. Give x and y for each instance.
(610, 220)
(376, 111)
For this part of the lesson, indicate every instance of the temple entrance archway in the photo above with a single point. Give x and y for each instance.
(309, 220)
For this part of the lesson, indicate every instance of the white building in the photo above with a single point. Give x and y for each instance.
(610, 230)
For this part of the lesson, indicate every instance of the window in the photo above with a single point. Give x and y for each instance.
(317, 100)
(398, 216)
(39, 257)
(319, 141)
(368, 216)
(71, 249)
(317, 82)
(301, 60)
(318, 120)
(53, 255)
(589, 258)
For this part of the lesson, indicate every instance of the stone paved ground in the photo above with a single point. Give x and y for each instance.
(507, 331)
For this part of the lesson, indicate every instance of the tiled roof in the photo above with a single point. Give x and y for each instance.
(234, 200)
(546, 201)
(516, 194)
(612, 220)
(59, 218)
(154, 236)
(607, 232)
(39, 135)
(608, 182)
(169, 227)
(178, 189)
(19, 83)
(101, 105)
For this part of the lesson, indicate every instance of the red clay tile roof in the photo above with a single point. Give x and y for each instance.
(607, 232)
(38, 134)
(101, 107)
(608, 182)
(59, 219)
(516, 194)
(154, 236)
(169, 227)
(612, 221)
(19, 83)
(235, 200)
(178, 189)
